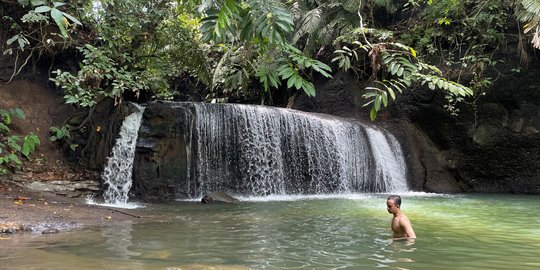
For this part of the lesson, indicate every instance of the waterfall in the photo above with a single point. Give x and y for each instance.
(390, 164)
(256, 150)
(117, 174)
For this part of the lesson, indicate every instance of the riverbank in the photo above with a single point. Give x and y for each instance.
(22, 210)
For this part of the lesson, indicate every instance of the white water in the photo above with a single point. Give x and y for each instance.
(124, 205)
(117, 174)
(347, 196)
(268, 151)
(389, 162)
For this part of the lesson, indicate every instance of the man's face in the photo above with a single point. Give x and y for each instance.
(391, 206)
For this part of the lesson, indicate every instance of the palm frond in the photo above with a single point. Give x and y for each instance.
(352, 5)
(530, 14)
(532, 6)
(309, 24)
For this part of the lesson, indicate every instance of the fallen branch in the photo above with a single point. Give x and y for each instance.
(122, 212)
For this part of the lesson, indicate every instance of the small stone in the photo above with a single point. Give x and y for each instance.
(73, 194)
(50, 231)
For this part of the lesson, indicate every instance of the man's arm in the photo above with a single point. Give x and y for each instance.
(407, 227)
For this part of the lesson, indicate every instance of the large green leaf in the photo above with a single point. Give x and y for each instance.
(13, 142)
(60, 21)
(42, 9)
(18, 112)
(13, 158)
(37, 2)
(309, 89)
(29, 144)
(4, 128)
(71, 18)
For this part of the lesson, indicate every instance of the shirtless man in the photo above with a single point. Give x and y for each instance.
(401, 225)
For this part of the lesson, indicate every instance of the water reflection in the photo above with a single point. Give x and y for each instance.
(118, 240)
(394, 253)
(315, 234)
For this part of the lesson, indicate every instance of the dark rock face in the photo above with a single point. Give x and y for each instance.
(494, 145)
(160, 155)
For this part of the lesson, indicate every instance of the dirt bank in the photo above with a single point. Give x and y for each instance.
(22, 211)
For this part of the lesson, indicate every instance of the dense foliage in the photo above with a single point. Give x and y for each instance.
(14, 147)
(256, 50)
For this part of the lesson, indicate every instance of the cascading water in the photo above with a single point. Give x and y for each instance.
(256, 150)
(117, 174)
(390, 164)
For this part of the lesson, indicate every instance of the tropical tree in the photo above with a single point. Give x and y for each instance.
(254, 37)
(238, 48)
(138, 46)
(375, 54)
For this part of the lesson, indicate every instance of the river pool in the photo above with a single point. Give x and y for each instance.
(313, 232)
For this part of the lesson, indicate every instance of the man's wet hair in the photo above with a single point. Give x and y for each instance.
(396, 199)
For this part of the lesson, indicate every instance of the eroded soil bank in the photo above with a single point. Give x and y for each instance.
(25, 211)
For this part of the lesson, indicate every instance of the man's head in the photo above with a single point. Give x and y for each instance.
(393, 204)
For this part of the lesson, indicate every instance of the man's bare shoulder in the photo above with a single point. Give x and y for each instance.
(404, 220)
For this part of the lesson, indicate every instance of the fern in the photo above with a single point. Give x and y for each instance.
(319, 22)
(294, 79)
(268, 76)
(252, 19)
(399, 66)
(436, 82)
(401, 70)
(378, 94)
(260, 29)
(344, 56)
(291, 71)
(271, 20)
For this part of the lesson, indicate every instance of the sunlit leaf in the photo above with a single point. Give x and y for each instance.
(37, 2)
(71, 18)
(59, 20)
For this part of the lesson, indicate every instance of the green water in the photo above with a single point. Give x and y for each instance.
(455, 232)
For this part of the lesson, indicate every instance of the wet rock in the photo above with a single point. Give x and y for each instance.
(25, 228)
(50, 231)
(69, 194)
(64, 186)
(218, 197)
(73, 194)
